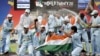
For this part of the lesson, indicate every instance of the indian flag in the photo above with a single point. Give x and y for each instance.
(57, 45)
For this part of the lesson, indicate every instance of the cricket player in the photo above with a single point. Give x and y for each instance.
(77, 45)
(76, 42)
(85, 33)
(26, 42)
(51, 21)
(45, 20)
(59, 22)
(40, 35)
(6, 30)
(82, 31)
(95, 33)
(25, 19)
(66, 26)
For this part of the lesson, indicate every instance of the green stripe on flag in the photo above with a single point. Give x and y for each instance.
(56, 48)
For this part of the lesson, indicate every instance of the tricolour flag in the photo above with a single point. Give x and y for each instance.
(57, 45)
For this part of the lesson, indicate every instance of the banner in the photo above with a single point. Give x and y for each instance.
(23, 4)
(82, 4)
(58, 4)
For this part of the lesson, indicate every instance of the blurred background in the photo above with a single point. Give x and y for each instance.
(37, 7)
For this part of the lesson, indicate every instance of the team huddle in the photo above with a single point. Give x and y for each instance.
(33, 33)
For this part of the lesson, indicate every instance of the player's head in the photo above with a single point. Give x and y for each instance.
(57, 15)
(36, 20)
(73, 29)
(42, 28)
(26, 28)
(66, 20)
(27, 12)
(50, 32)
(82, 15)
(94, 13)
(9, 17)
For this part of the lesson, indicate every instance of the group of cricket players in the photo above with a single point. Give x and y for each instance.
(33, 33)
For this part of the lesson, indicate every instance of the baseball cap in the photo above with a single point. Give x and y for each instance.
(26, 26)
(9, 15)
(27, 10)
(94, 12)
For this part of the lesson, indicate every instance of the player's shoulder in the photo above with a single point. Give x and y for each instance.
(76, 34)
(98, 17)
(5, 20)
(22, 15)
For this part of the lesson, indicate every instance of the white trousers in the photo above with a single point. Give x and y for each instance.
(84, 35)
(5, 42)
(86, 40)
(76, 51)
(36, 53)
(23, 48)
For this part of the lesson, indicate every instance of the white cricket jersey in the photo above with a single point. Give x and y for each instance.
(51, 21)
(59, 21)
(7, 25)
(26, 38)
(76, 40)
(67, 27)
(96, 21)
(24, 20)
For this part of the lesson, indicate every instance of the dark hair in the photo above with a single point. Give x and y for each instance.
(74, 28)
(43, 27)
(36, 20)
(82, 15)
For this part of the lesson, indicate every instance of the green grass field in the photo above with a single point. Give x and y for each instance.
(13, 47)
